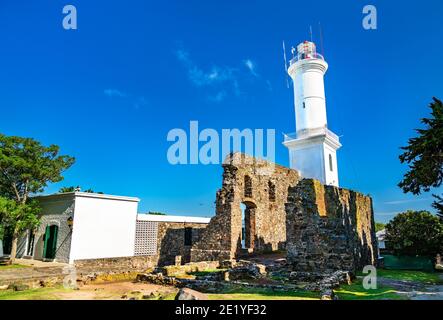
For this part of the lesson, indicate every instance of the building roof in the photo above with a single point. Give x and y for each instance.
(166, 218)
(56, 196)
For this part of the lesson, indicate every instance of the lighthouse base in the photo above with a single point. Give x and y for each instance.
(315, 156)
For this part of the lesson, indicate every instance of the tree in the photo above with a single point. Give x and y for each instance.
(157, 213)
(73, 189)
(18, 217)
(415, 233)
(26, 167)
(67, 189)
(424, 154)
(379, 226)
(438, 205)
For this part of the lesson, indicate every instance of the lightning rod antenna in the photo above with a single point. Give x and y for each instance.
(321, 39)
(286, 64)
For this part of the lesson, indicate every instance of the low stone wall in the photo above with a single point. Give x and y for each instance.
(190, 267)
(329, 228)
(211, 255)
(139, 263)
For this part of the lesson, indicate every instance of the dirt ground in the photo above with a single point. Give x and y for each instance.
(118, 291)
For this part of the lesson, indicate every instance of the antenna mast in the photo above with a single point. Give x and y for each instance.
(321, 39)
(286, 64)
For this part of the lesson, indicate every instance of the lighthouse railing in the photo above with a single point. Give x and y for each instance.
(310, 133)
(306, 57)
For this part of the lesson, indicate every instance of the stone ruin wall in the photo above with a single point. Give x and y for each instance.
(171, 241)
(329, 228)
(264, 197)
(321, 227)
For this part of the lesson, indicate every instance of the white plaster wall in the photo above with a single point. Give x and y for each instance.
(309, 88)
(103, 228)
(309, 161)
(331, 177)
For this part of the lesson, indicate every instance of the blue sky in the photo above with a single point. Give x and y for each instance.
(109, 92)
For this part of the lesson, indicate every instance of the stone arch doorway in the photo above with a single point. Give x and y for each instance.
(248, 209)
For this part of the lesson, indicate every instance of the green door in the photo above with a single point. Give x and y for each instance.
(50, 246)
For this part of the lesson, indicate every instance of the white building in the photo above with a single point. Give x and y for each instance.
(80, 226)
(381, 241)
(313, 148)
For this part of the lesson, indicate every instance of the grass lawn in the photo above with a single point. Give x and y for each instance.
(13, 266)
(205, 272)
(32, 294)
(356, 291)
(416, 276)
(263, 294)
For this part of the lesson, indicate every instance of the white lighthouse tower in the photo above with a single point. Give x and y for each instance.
(313, 148)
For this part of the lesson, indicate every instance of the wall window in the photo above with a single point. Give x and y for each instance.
(248, 186)
(331, 167)
(271, 191)
(146, 238)
(188, 236)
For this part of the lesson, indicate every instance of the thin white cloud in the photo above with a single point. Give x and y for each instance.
(114, 93)
(393, 213)
(140, 102)
(220, 81)
(250, 65)
(136, 101)
(200, 77)
(219, 97)
(395, 202)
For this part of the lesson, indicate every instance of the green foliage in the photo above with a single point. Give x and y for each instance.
(73, 189)
(26, 166)
(67, 189)
(379, 226)
(19, 216)
(415, 233)
(424, 154)
(438, 205)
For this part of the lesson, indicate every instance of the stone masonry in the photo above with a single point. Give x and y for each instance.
(329, 228)
(322, 227)
(262, 187)
(171, 241)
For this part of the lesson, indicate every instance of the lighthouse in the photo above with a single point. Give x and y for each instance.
(313, 148)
